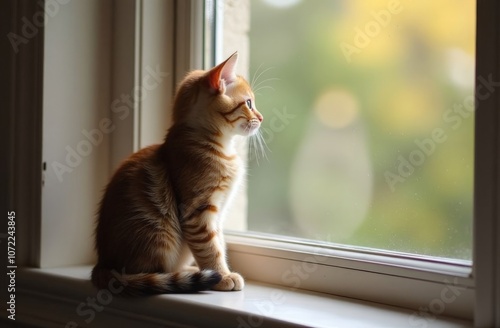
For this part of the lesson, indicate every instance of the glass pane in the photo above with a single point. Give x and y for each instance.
(368, 109)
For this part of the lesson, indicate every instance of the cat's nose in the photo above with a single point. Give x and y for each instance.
(260, 118)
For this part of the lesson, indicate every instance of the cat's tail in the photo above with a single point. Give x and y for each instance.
(142, 284)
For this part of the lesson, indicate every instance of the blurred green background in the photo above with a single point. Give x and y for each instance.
(367, 116)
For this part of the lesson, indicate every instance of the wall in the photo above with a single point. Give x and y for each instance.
(75, 128)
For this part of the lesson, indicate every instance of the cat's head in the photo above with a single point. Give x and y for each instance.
(217, 100)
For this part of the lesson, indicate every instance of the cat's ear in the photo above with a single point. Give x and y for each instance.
(223, 74)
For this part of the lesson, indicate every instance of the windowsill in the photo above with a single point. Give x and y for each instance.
(58, 296)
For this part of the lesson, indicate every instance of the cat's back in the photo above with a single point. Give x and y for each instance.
(132, 170)
(136, 185)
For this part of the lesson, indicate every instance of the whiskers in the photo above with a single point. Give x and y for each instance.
(257, 85)
(257, 147)
(257, 143)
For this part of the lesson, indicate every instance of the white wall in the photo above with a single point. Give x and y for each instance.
(76, 99)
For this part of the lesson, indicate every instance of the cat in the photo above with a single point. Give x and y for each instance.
(165, 204)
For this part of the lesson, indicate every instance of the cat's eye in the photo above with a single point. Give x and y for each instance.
(249, 104)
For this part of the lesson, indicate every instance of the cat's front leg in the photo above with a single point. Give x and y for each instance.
(206, 242)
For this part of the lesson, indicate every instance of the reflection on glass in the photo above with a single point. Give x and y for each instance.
(368, 110)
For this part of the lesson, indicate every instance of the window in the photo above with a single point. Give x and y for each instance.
(368, 99)
(369, 123)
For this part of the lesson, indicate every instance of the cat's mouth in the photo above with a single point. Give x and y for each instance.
(251, 126)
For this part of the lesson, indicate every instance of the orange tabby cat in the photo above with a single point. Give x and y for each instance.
(165, 203)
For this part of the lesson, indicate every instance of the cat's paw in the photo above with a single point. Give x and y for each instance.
(231, 281)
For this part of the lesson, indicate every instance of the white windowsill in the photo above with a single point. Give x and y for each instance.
(54, 297)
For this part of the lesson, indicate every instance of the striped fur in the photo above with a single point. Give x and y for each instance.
(164, 206)
(143, 284)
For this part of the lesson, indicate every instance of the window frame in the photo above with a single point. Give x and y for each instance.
(371, 276)
(251, 255)
(486, 252)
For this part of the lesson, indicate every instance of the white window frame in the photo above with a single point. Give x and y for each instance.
(389, 278)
